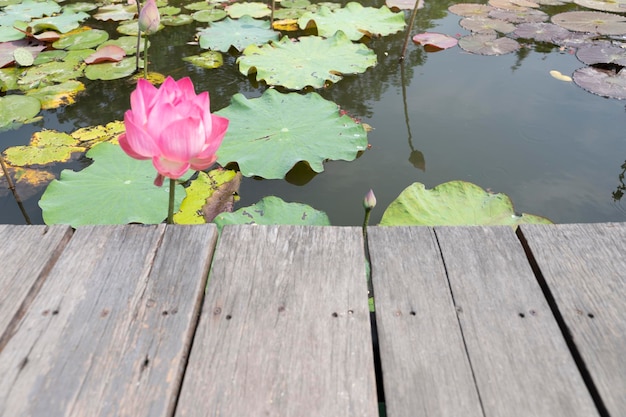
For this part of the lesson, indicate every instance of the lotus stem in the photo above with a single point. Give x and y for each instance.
(272, 14)
(11, 184)
(170, 209)
(145, 57)
(138, 39)
(408, 29)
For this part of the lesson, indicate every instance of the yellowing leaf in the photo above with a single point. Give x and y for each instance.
(33, 155)
(89, 136)
(290, 25)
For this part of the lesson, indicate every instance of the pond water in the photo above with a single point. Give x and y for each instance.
(501, 122)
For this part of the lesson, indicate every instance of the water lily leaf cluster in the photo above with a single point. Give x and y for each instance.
(236, 33)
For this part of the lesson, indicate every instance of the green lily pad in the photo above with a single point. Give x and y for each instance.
(355, 21)
(9, 77)
(49, 56)
(63, 23)
(268, 135)
(208, 195)
(236, 33)
(80, 7)
(57, 95)
(453, 203)
(116, 12)
(16, 110)
(199, 5)
(115, 189)
(23, 57)
(310, 62)
(30, 9)
(209, 15)
(8, 33)
(273, 210)
(127, 43)
(254, 9)
(177, 20)
(49, 73)
(82, 40)
(111, 70)
(210, 59)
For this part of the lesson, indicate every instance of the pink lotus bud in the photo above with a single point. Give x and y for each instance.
(172, 126)
(369, 202)
(149, 18)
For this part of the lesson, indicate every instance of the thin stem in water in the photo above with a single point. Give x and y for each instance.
(145, 57)
(408, 29)
(170, 208)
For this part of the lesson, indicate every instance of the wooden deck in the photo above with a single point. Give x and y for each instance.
(471, 321)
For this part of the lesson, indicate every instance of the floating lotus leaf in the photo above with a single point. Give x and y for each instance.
(16, 110)
(116, 12)
(602, 55)
(288, 25)
(605, 83)
(111, 70)
(254, 9)
(82, 40)
(210, 15)
(592, 22)
(209, 194)
(57, 95)
(8, 33)
(88, 136)
(63, 23)
(178, 20)
(80, 7)
(49, 73)
(29, 9)
(517, 16)
(115, 189)
(618, 6)
(23, 57)
(49, 56)
(284, 14)
(488, 44)
(273, 210)
(109, 53)
(541, 32)
(210, 59)
(355, 21)
(8, 78)
(519, 5)
(480, 24)
(200, 5)
(236, 33)
(27, 181)
(7, 50)
(40, 155)
(438, 40)
(310, 62)
(453, 203)
(470, 9)
(169, 11)
(268, 135)
(295, 4)
(127, 43)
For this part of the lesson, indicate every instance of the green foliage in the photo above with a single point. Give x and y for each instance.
(268, 135)
(17, 110)
(453, 203)
(354, 20)
(312, 61)
(239, 33)
(273, 210)
(115, 189)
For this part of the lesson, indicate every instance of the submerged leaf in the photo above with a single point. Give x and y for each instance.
(273, 210)
(268, 135)
(451, 204)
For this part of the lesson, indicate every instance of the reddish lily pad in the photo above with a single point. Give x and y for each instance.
(541, 32)
(480, 24)
(470, 9)
(7, 50)
(519, 16)
(109, 53)
(592, 22)
(602, 54)
(437, 40)
(605, 83)
(488, 44)
(512, 4)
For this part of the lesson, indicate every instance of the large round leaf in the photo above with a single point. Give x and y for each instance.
(268, 135)
(453, 203)
(488, 44)
(15, 110)
(273, 210)
(592, 22)
(605, 83)
(115, 189)
(310, 62)
(238, 33)
(354, 20)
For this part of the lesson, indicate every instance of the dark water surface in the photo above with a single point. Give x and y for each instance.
(501, 122)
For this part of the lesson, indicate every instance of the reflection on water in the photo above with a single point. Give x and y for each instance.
(501, 122)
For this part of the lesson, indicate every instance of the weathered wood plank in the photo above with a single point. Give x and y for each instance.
(110, 330)
(520, 360)
(584, 267)
(285, 327)
(426, 371)
(27, 254)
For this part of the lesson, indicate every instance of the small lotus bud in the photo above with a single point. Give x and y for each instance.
(149, 18)
(369, 202)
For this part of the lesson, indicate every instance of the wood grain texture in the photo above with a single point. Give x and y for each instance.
(584, 265)
(426, 371)
(110, 330)
(27, 254)
(520, 360)
(285, 327)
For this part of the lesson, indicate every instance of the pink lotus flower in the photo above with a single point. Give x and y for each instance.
(172, 126)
